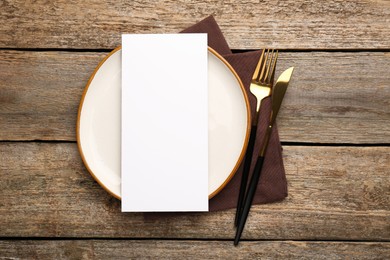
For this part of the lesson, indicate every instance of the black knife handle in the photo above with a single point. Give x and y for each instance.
(245, 174)
(249, 198)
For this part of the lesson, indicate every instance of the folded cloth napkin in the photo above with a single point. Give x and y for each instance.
(272, 185)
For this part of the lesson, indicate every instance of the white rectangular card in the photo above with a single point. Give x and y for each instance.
(164, 122)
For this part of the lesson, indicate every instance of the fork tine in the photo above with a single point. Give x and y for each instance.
(274, 60)
(264, 66)
(260, 64)
(269, 66)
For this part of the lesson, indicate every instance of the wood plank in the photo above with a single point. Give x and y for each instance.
(117, 249)
(335, 193)
(40, 93)
(292, 24)
(333, 97)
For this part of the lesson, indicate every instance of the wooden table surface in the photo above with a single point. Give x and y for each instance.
(334, 127)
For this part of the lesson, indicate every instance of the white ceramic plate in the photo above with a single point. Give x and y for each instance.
(99, 117)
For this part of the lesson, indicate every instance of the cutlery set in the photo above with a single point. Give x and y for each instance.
(261, 87)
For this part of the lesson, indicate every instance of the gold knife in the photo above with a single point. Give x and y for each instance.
(277, 98)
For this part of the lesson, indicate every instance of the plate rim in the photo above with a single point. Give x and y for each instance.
(242, 153)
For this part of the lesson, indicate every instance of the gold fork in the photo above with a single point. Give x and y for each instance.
(263, 78)
(261, 87)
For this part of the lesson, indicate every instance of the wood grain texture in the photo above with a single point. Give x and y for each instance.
(335, 193)
(298, 24)
(117, 249)
(40, 93)
(332, 98)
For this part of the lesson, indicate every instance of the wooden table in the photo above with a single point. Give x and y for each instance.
(334, 128)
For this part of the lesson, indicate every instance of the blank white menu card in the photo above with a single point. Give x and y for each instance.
(164, 150)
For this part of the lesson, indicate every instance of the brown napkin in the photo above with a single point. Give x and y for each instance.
(272, 185)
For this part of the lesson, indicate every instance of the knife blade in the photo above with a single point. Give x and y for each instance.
(277, 97)
(279, 91)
